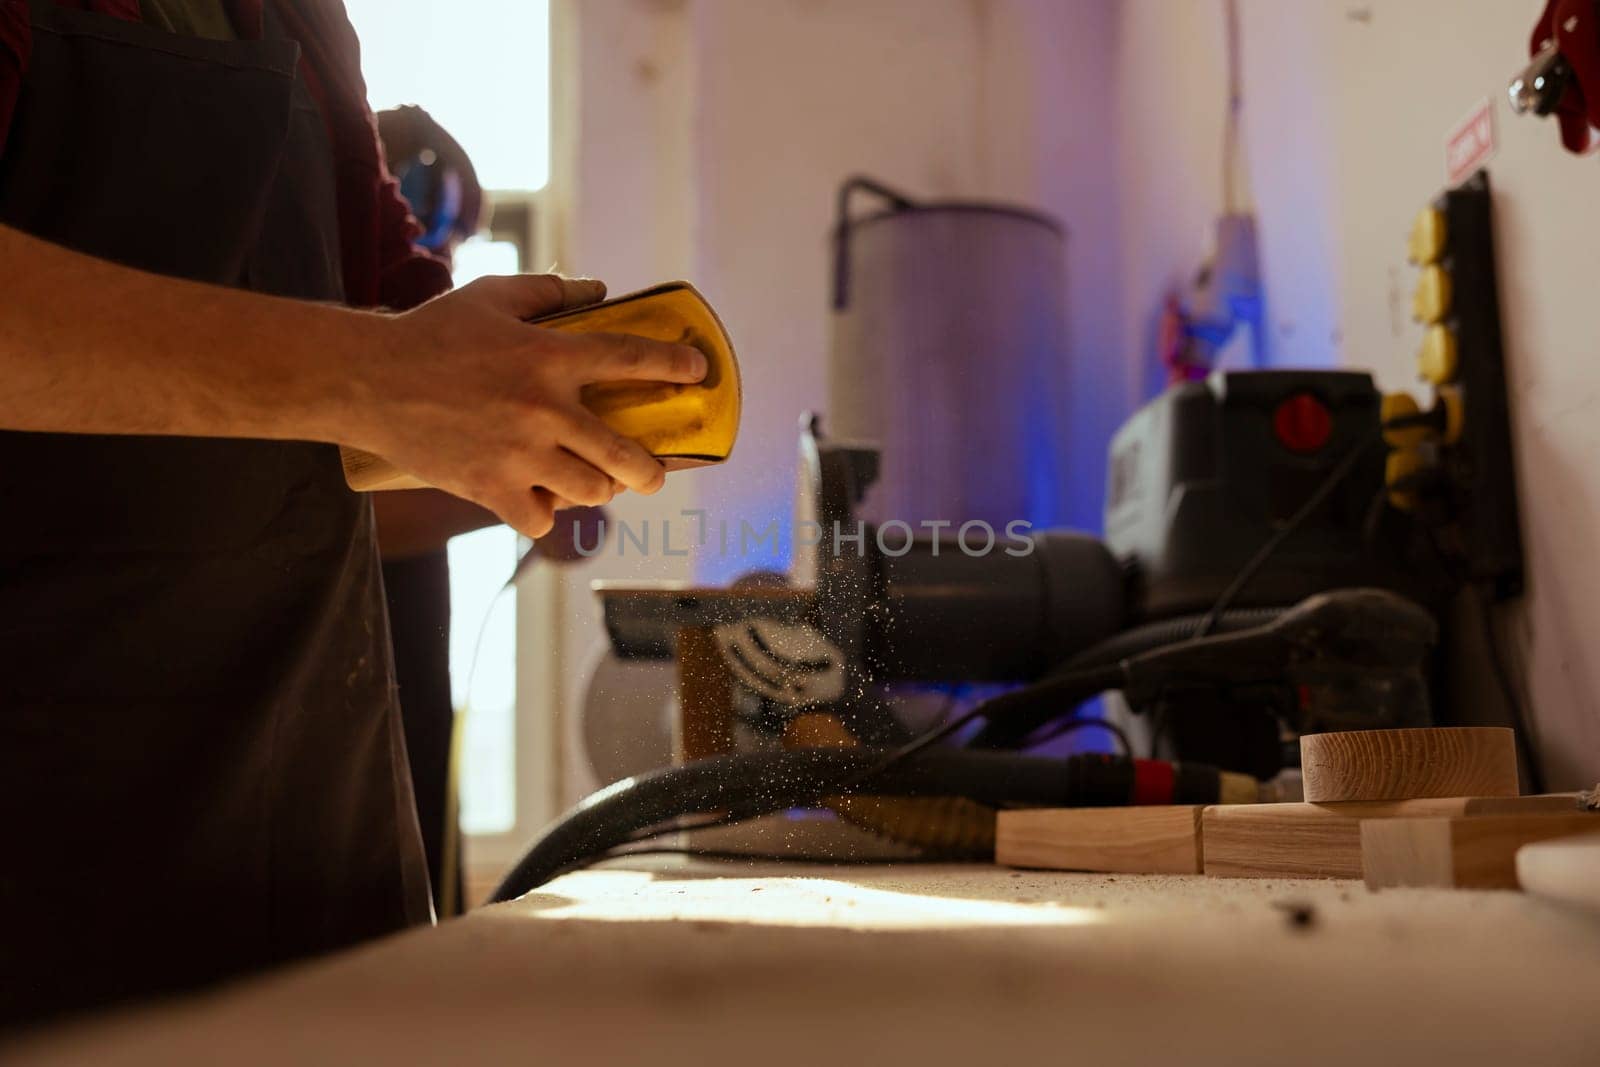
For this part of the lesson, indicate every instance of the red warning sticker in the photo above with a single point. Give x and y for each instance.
(1471, 144)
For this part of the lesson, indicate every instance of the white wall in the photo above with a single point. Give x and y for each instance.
(1048, 137)
(1168, 97)
(1347, 107)
(1171, 98)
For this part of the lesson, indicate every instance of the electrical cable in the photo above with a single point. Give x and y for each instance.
(1270, 546)
(1072, 725)
(1014, 731)
(1235, 104)
(1483, 604)
(1158, 728)
(1372, 518)
(1152, 635)
(1521, 725)
(1076, 687)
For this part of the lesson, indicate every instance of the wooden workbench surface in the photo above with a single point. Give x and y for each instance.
(759, 964)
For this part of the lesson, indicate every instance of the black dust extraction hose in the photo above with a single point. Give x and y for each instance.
(758, 783)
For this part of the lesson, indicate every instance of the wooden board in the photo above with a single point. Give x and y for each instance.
(664, 963)
(1440, 761)
(1160, 839)
(1324, 840)
(1463, 852)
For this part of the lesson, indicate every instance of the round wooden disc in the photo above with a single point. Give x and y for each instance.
(1440, 761)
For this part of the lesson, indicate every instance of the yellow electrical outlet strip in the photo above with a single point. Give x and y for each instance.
(681, 425)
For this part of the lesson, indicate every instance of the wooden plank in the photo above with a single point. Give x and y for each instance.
(1478, 852)
(1324, 840)
(1159, 839)
(1280, 841)
(1439, 761)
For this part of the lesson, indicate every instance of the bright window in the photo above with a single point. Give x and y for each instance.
(483, 255)
(483, 676)
(480, 67)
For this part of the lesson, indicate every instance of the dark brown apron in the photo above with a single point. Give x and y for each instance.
(201, 764)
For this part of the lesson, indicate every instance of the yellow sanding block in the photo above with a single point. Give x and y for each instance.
(681, 425)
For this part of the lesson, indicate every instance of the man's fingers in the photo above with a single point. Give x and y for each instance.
(531, 296)
(615, 357)
(621, 458)
(528, 511)
(551, 501)
(572, 481)
(580, 292)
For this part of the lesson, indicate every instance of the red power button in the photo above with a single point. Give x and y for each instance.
(1302, 423)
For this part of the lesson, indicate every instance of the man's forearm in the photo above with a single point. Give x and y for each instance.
(88, 346)
(461, 391)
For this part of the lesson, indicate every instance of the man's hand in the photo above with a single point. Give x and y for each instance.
(470, 398)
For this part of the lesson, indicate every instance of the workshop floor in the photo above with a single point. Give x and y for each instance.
(759, 964)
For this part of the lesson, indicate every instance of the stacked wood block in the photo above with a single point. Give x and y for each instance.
(1479, 853)
(1324, 840)
(1156, 839)
(1397, 807)
(1455, 761)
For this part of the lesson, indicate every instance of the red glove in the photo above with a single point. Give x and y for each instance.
(1575, 26)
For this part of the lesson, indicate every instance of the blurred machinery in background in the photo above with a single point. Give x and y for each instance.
(1277, 546)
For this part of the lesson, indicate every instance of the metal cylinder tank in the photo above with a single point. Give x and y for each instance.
(949, 352)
